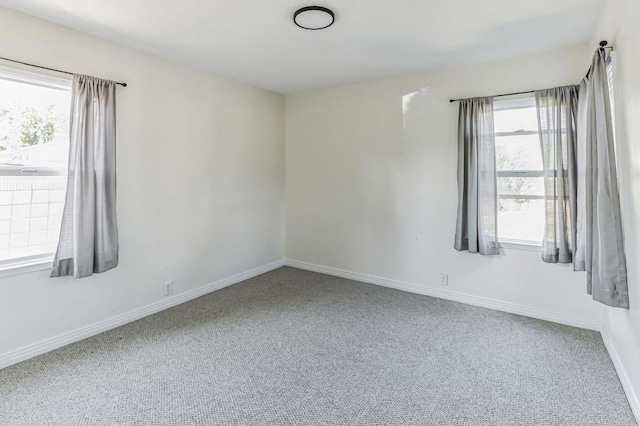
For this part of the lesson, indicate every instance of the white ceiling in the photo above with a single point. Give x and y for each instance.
(255, 41)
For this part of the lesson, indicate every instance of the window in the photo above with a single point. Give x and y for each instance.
(34, 145)
(519, 171)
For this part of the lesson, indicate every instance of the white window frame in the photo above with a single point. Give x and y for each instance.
(511, 243)
(34, 263)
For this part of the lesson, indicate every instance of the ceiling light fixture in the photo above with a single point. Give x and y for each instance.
(314, 18)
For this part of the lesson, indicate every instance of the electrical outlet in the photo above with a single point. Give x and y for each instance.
(168, 288)
(444, 279)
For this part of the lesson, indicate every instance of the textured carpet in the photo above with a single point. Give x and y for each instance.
(295, 347)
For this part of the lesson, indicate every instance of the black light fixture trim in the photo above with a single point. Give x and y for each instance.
(314, 8)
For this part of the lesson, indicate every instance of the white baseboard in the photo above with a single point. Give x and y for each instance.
(484, 302)
(63, 339)
(632, 396)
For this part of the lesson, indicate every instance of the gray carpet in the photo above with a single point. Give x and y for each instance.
(295, 347)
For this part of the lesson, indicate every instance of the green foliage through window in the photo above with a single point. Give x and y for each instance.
(37, 128)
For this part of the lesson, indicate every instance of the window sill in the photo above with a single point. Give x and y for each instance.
(25, 267)
(519, 245)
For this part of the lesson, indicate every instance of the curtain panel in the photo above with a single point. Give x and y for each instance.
(599, 249)
(476, 227)
(89, 235)
(557, 114)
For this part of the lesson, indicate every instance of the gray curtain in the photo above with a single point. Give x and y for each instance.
(557, 114)
(599, 249)
(476, 228)
(89, 236)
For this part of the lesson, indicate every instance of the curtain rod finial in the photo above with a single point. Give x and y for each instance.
(603, 43)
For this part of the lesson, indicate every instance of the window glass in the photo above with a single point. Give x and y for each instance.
(519, 171)
(34, 145)
(515, 185)
(518, 152)
(521, 220)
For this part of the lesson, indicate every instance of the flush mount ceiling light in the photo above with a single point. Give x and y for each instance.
(314, 18)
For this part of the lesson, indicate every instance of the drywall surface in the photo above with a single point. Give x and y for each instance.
(622, 325)
(371, 183)
(200, 163)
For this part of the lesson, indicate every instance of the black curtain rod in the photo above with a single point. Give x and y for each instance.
(504, 94)
(603, 45)
(50, 69)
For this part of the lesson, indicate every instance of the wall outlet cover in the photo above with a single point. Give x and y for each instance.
(168, 288)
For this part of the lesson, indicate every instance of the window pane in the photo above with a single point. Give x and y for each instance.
(34, 149)
(521, 152)
(520, 217)
(521, 185)
(512, 120)
(30, 215)
(521, 220)
(34, 125)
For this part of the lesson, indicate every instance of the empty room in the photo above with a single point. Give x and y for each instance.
(219, 212)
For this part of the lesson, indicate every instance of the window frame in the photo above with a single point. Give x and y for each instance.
(31, 263)
(511, 243)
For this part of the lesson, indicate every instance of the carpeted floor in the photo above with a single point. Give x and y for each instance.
(298, 348)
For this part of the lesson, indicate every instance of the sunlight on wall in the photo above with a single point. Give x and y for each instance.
(407, 100)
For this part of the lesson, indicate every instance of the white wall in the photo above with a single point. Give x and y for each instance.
(200, 182)
(373, 192)
(621, 325)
